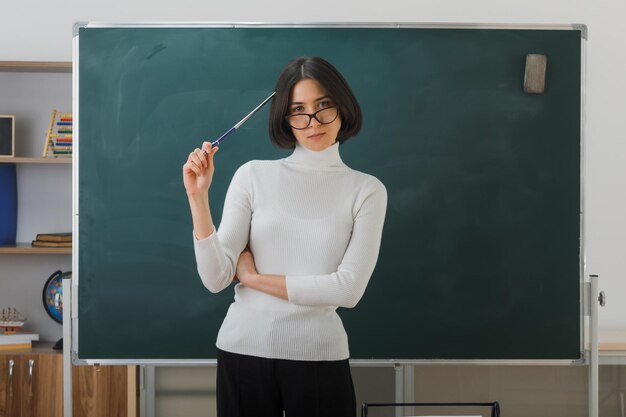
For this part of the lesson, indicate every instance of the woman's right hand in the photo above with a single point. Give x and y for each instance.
(198, 170)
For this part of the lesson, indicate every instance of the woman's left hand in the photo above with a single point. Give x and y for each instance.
(246, 269)
(247, 274)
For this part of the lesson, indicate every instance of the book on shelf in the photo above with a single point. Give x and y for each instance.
(40, 244)
(19, 340)
(55, 237)
(59, 135)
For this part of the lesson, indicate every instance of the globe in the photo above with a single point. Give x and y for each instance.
(53, 295)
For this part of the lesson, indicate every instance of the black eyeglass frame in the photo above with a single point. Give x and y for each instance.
(311, 116)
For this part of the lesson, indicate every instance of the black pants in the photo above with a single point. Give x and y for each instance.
(249, 386)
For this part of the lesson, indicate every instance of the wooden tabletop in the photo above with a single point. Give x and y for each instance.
(612, 340)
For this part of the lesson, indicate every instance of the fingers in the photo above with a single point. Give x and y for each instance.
(194, 162)
(247, 254)
(206, 148)
(212, 150)
(190, 166)
(201, 158)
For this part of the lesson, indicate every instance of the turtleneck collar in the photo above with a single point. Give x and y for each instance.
(327, 158)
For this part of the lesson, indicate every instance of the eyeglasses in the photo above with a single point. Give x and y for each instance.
(303, 120)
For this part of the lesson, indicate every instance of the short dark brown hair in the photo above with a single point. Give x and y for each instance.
(331, 79)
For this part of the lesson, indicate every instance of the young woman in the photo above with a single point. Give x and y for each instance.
(301, 236)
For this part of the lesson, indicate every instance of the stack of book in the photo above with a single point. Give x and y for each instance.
(11, 322)
(59, 137)
(53, 240)
(17, 340)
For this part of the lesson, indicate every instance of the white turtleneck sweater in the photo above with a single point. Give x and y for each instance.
(308, 217)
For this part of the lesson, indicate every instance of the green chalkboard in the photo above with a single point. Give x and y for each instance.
(481, 250)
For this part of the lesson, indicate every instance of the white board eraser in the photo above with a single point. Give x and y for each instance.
(535, 74)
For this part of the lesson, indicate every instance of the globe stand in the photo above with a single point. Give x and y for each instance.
(52, 298)
(58, 345)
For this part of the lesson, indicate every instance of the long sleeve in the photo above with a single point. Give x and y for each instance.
(345, 287)
(217, 255)
(307, 217)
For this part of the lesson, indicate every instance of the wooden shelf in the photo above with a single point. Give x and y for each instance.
(35, 160)
(38, 348)
(27, 248)
(32, 66)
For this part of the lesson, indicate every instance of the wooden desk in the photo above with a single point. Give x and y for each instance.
(612, 351)
(612, 347)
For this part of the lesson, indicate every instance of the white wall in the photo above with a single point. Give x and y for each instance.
(42, 31)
